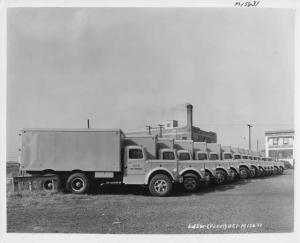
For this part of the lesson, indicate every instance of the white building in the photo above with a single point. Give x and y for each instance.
(280, 145)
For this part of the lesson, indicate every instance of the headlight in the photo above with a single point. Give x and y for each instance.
(202, 169)
(175, 170)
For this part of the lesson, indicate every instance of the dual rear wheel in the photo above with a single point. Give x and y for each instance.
(77, 183)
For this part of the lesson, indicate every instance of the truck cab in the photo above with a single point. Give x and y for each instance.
(266, 166)
(223, 172)
(253, 165)
(156, 173)
(260, 170)
(244, 168)
(234, 165)
(192, 171)
(210, 167)
(271, 164)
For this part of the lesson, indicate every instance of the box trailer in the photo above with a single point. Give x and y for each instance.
(81, 158)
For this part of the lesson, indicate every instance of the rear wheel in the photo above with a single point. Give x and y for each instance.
(220, 177)
(190, 182)
(160, 185)
(50, 184)
(78, 183)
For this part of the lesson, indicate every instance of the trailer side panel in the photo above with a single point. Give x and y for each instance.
(85, 150)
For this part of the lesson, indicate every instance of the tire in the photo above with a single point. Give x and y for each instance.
(209, 182)
(243, 173)
(232, 176)
(251, 173)
(78, 183)
(261, 171)
(220, 177)
(48, 183)
(281, 170)
(160, 185)
(190, 182)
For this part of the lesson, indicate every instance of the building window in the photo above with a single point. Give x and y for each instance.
(285, 140)
(275, 141)
(270, 141)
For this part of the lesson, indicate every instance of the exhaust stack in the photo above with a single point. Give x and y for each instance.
(189, 108)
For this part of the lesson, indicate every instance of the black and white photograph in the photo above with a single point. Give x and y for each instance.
(150, 120)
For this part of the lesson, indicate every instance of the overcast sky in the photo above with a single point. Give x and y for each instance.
(126, 68)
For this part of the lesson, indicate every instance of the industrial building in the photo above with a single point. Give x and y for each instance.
(170, 129)
(280, 145)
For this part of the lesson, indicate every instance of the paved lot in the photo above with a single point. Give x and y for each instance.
(256, 205)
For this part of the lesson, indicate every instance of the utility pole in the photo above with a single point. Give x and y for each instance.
(88, 123)
(160, 129)
(249, 135)
(257, 146)
(149, 129)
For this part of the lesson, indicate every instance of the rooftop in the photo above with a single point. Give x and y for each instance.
(279, 132)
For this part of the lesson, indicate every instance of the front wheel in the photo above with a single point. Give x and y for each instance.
(220, 177)
(252, 173)
(78, 183)
(232, 175)
(160, 185)
(190, 182)
(243, 173)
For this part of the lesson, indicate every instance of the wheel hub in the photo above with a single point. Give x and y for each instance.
(160, 186)
(77, 184)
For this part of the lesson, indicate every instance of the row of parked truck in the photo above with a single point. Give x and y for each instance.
(81, 159)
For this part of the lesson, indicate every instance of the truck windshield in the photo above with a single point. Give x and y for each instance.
(184, 156)
(213, 157)
(135, 154)
(168, 155)
(227, 156)
(237, 156)
(202, 156)
(245, 157)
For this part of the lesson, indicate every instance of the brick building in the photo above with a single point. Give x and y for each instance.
(170, 129)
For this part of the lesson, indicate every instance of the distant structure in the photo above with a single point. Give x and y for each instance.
(170, 129)
(280, 145)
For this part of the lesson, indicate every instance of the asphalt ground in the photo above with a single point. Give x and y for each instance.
(245, 206)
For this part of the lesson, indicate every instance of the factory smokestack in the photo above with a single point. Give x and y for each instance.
(189, 109)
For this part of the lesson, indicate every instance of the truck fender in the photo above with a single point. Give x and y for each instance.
(234, 169)
(191, 169)
(254, 166)
(243, 165)
(158, 169)
(210, 171)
